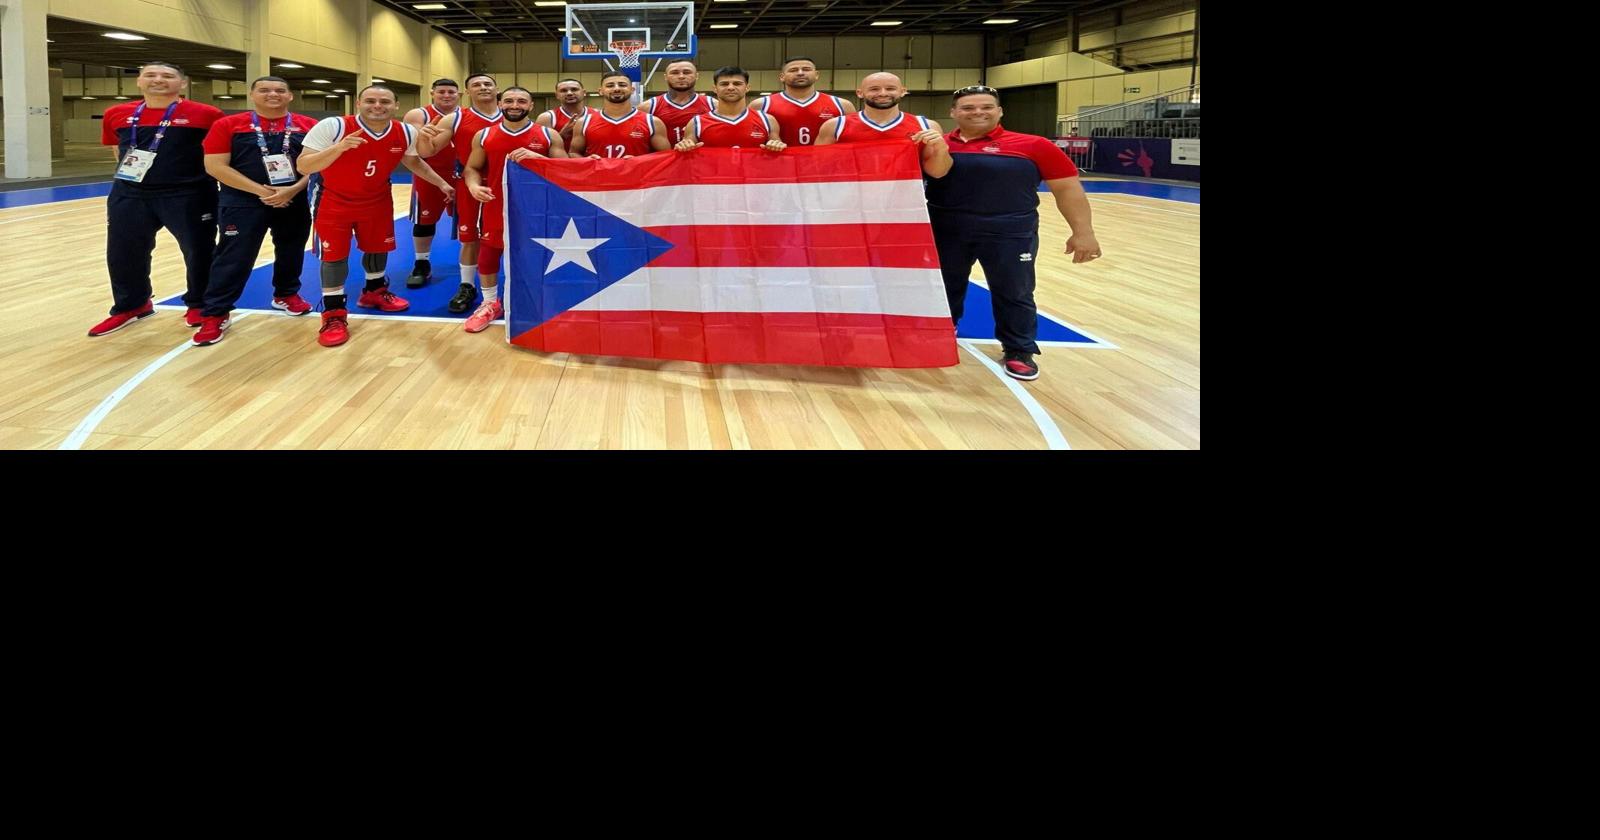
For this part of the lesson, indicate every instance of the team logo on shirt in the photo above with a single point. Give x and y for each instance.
(635, 134)
(827, 114)
(991, 148)
(427, 212)
(757, 135)
(398, 149)
(181, 121)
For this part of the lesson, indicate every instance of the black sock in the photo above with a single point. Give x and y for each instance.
(332, 302)
(375, 283)
(423, 268)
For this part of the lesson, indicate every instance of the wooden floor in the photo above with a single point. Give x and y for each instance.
(404, 384)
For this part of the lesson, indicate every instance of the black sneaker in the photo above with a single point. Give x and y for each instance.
(464, 299)
(1019, 365)
(420, 275)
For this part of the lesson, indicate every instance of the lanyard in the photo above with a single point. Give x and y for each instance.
(261, 142)
(161, 128)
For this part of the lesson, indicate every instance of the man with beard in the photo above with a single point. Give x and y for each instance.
(618, 129)
(680, 103)
(799, 107)
(514, 139)
(570, 92)
(881, 94)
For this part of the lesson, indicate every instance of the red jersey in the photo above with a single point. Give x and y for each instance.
(747, 129)
(798, 121)
(613, 138)
(499, 141)
(559, 118)
(444, 160)
(676, 117)
(357, 184)
(468, 123)
(857, 127)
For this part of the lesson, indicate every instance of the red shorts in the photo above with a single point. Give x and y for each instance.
(492, 223)
(374, 234)
(428, 204)
(466, 214)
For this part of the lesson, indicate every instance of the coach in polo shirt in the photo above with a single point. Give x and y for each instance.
(986, 209)
(161, 182)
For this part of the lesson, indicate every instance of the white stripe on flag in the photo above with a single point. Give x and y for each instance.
(827, 203)
(885, 291)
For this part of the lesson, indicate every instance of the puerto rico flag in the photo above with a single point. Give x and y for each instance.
(811, 256)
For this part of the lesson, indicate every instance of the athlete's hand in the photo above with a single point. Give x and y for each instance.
(930, 138)
(436, 130)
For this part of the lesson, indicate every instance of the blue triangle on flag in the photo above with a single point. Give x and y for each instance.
(537, 209)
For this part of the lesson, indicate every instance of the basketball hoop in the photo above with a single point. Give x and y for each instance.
(627, 52)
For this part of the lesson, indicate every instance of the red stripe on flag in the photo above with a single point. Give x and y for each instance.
(890, 160)
(763, 338)
(792, 246)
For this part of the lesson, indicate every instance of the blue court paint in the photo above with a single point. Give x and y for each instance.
(977, 321)
(430, 300)
(47, 195)
(1189, 195)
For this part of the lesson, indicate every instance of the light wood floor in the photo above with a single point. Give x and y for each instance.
(425, 385)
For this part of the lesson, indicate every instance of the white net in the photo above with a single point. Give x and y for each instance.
(627, 52)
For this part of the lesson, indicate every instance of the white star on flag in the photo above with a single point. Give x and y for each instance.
(570, 248)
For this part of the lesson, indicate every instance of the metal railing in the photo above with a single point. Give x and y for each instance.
(1081, 147)
(1148, 107)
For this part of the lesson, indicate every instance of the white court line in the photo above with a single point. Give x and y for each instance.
(1135, 195)
(87, 427)
(1079, 345)
(425, 319)
(1047, 425)
(1077, 329)
(42, 215)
